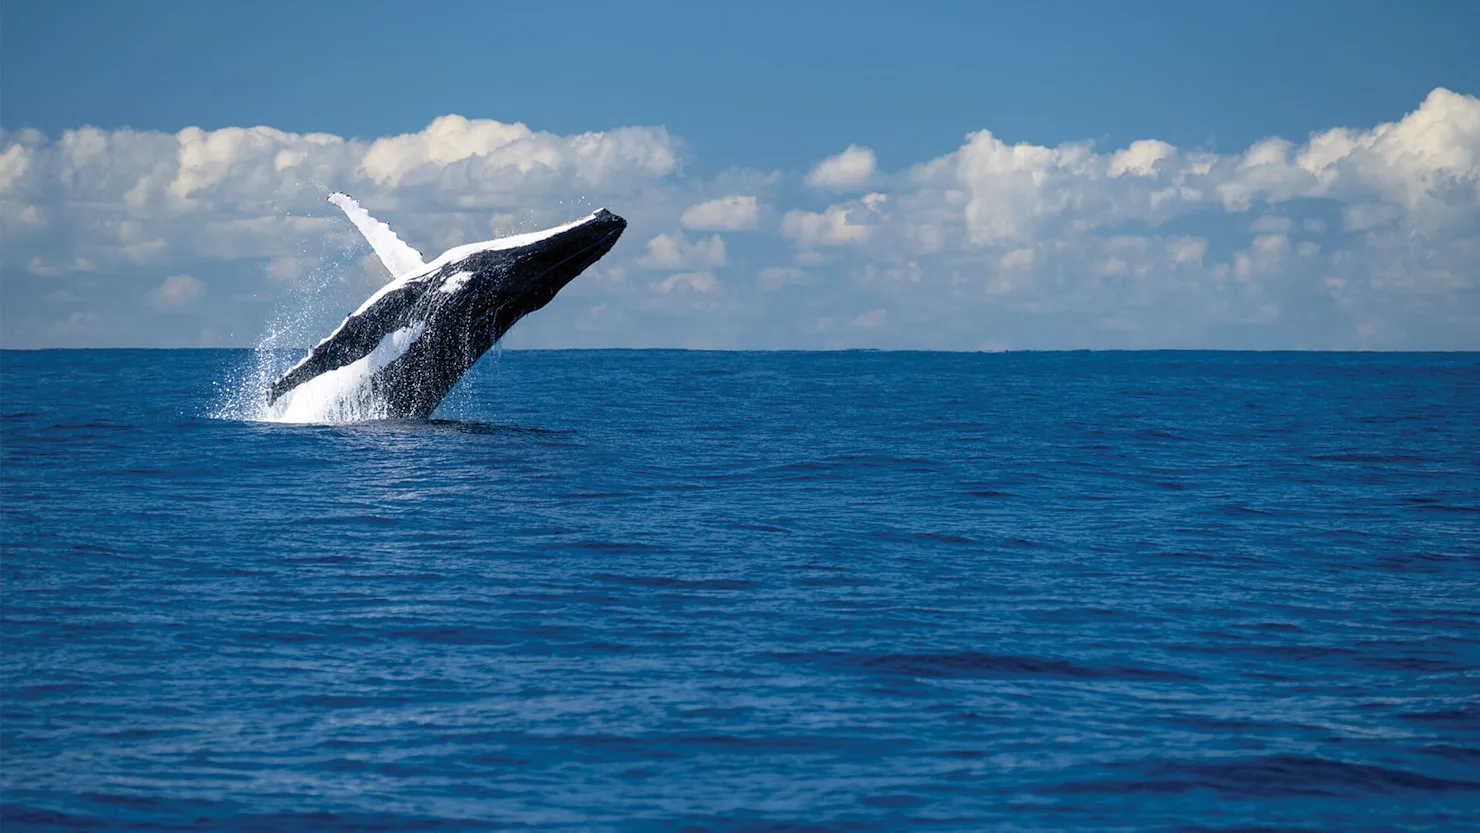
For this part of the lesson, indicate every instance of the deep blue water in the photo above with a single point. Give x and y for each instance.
(728, 591)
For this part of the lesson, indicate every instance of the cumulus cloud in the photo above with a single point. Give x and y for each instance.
(1018, 259)
(839, 225)
(692, 281)
(733, 213)
(829, 228)
(1140, 158)
(177, 292)
(1186, 249)
(289, 269)
(1370, 232)
(134, 196)
(1035, 226)
(674, 251)
(773, 278)
(37, 266)
(853, 169)
(1272, 224)
(871, 320)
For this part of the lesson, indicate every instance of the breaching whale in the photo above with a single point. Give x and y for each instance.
(401, 352)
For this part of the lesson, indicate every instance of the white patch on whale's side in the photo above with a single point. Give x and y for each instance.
(345, 393)
(455, 282)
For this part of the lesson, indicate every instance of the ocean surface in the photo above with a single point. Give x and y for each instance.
(685, 591)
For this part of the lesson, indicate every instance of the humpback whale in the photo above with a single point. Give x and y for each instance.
(401, 352)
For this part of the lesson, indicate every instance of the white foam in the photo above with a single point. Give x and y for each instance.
(345, 393)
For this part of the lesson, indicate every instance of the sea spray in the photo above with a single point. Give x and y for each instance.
(320, 295)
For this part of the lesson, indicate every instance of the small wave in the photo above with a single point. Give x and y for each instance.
(847, 463)
(759, 528)
(1467, 715)
(685, 584)
(893, 801)
(1454, 753)
(1272, 776)
(976, 665)
(1359, 457)
(206, 816)
(473, 427)
(986, 493)
(451, 635)
(617, 547)
(925, 537)
(594, 495)
(1234, 510)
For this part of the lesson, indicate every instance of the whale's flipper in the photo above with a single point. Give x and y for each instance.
(398, 257)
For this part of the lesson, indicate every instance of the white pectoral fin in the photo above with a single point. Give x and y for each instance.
(398, 257)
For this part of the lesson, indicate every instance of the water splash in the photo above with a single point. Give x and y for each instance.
(348, 393)
(322, 295)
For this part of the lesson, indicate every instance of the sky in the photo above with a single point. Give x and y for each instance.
(986, 176)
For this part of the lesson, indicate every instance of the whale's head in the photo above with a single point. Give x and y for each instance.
(504, 280)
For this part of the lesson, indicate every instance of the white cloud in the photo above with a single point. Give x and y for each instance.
(1018, 259)
(871, 320)
(1117, 323)
(177, 292)
(734, 213)
(290, 268)
(853, 169)
(1011, 190)
(1187, 249)
(839, 225)
(773, 278)
(1012, 240)
(37, 266)
(829, 228)
(485, 152)
(1369, 215)
(674, 251)
(136, 197)
(1272, 224)
(1264, 257)
(703, 282)
(13, 164)
(1140, 158)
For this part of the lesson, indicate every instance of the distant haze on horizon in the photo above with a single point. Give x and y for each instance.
(1013, 176)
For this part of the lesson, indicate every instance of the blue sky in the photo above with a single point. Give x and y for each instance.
(917, 239)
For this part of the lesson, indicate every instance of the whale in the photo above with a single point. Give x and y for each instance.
(400, 353)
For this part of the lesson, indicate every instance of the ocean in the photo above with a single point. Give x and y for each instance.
(695, 591)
